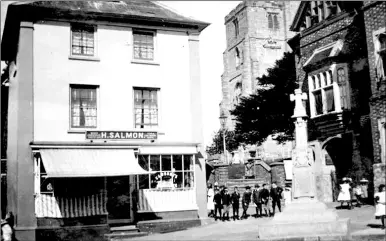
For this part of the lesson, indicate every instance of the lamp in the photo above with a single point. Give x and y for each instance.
(223, 119)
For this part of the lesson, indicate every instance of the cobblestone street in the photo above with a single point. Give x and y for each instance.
(362, 223)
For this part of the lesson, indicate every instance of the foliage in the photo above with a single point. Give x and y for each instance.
(217, 146)
(269, 110)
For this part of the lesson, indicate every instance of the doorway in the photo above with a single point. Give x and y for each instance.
(120, 200)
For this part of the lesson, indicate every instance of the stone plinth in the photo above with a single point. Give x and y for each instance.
(305, 219)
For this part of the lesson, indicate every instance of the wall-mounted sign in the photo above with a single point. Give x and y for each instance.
(121, 135)
(271, 44)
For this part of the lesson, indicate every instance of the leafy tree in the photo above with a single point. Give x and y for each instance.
(268, 111)
(217, 146)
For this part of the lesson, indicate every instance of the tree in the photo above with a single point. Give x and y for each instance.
(217, 146)
(268, 111)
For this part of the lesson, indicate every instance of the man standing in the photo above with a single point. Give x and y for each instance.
(235, 203)
(264, 195)
(276, 197)
(226, 202)
(257, 200)
(245, 201)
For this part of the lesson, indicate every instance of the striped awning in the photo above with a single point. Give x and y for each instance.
(90, 162)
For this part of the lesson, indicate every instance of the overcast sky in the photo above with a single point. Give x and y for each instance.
(212, 45)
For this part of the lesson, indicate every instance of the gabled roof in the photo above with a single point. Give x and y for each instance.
(138, 12)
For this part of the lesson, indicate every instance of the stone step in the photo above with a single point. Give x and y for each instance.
(126, 228)
(124, 235)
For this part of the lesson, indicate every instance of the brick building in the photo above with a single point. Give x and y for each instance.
(256, 36)
(333, 69)
(375, 23)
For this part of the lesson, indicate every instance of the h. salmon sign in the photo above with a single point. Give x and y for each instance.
(121, 135)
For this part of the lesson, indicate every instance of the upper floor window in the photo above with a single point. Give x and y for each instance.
(146, 107)
(143, 42)
(238, 58)
(328, 91)
(273, 21)
(83, 106)
(317, 11)
(380, 53)
(236, 27)
(83, 40)
(237, 93)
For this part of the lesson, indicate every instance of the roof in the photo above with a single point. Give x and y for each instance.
(324, 53)
(136, 12)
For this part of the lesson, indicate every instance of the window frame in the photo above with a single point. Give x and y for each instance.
(173, 171)
(378, 51)
(158, 90)
(236, 27)
(155, 46)
(82, 56)
(38, 163)
(82, 129)
(331, 72)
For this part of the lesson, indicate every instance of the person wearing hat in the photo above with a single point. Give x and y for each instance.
(217, 203)
(210, 202)
(226, 202)
(246, 200)
(344, 193)
(235, 203)
(257, 200)
(265, 196)
(364, 186)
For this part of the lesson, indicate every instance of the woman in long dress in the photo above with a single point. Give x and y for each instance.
(344, 194)
(210, 203)
(380, 204)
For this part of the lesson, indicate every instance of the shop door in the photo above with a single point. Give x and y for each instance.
(119, 203)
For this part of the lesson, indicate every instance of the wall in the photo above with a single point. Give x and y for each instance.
(116, 76)
(375, 20)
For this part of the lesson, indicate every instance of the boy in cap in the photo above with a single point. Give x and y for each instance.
(257, 200)
(235, 203)
(226, 202)
(217, 203)
(245, 201)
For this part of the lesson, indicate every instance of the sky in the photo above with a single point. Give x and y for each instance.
(212, 45)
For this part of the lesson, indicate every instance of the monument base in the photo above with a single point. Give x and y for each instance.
(308, 219)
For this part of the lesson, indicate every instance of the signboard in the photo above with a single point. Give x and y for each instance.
(121, 135)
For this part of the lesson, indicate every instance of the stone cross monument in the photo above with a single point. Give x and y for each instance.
(305, 216)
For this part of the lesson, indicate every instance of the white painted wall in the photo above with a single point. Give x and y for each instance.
(116, 76)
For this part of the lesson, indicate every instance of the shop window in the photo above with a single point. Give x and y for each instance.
(146, 108)
(167, 171)
(83, 106)
(328, 93)
(143, 44)
(83, 40)
(43, 184)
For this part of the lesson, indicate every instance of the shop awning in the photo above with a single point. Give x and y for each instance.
(90, 162)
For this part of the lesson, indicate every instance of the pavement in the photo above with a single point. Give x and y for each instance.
(363, 224)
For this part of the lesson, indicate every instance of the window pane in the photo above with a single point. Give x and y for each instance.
(330, 99)
(178, 179)
(46, 184)
(155, 162)
(318, 102)
(143, 161)
(155, 178)
(188, 162)
(189, 179)
(83, 107)
(146, 108)
(166, 163)
(341, 75)
(143, 45)
(177, 162)
(83, 40)
(143, 181)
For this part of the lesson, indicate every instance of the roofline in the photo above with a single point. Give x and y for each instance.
(295, 23)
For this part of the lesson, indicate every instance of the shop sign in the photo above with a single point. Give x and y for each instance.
(121, 135)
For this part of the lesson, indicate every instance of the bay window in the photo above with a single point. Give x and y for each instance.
(328, 90)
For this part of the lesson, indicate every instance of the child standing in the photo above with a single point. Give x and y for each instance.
(380, 204)
(235, 203)
(344, 194)
(210, 203)
(358, 194)
(245, 201)
(226, 202)
(217, 203)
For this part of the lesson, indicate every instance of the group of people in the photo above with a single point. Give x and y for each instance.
(264, 197)
(350, 192)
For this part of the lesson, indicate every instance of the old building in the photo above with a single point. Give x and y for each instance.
(93, 134)
(375, 23)
(333, 69)
(256, 35)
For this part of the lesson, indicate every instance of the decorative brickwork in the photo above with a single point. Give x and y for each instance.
(375, 23)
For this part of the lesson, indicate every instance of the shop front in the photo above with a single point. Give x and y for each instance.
(96, 185)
